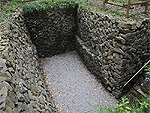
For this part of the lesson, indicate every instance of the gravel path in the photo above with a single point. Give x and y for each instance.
(72, 86)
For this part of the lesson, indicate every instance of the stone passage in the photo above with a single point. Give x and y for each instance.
(112, 50)
(72, 86)
(53, 31)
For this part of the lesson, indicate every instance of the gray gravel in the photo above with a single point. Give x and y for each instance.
(72, 86)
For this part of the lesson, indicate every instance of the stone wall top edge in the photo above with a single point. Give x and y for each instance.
(126, 21)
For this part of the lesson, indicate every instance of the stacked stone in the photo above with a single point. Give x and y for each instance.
(53, 31)
(111, 49)
(22, 85)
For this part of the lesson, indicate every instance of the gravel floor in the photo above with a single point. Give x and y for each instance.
(72, 86)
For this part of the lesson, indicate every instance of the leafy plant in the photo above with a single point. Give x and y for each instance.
(3, 56)
(147, 70)
(123, 106)
(140, 106)
(42, 5)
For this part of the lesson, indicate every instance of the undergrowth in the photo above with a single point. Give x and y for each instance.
(42, 5)
(141, 105)
(7, 8)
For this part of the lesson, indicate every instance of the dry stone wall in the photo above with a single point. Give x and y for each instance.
(22, 85)
(113, 50)
(110, 49)
(52, 31)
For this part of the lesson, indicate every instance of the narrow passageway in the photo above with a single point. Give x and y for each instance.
(72, 86)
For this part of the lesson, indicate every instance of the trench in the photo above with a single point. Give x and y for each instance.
(71, 84)
(74, 89)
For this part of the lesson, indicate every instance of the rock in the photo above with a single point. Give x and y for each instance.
(17, 110)
(9, 102)
(33, 103)
(2, 48)
(141, 92)
(43, 111)
(117, 94)
(40, 83)
(3, 84)
(5, 52)
(12, 97)
(133, 92)
(31, 110)
(9, 109)
(2, 99)
(3, 91)
(146, 84)
(7, 74)
(3, 79)
(2, 106)
(42, 99)
(121, 40)
(20, 97)
(48, 108)
(2, 63)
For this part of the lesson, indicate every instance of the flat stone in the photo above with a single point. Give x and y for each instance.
(20, 97)
(2, 48)
(5, 52)
(2, 62)
(33, 103)
(9, 109)
(9, 102)
(2, 99)
(12, 96)
(120, 39)
(146, 84)
(31, 110)
(3, 74)
(17, 110)
(141, 92)
(48, 108)
(3, 91)
(2, 84)
(133, 92)
(2, 79)
(42, 99)
(40, 83)
(2, 106)
(43, 111)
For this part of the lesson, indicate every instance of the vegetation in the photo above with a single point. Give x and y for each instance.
(7, 8)
(42, 5)
(139, 106)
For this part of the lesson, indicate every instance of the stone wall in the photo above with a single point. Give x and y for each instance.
(52, 31)
(111, 49)
(22, 84)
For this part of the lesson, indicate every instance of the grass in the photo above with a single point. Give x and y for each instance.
(7, 8)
